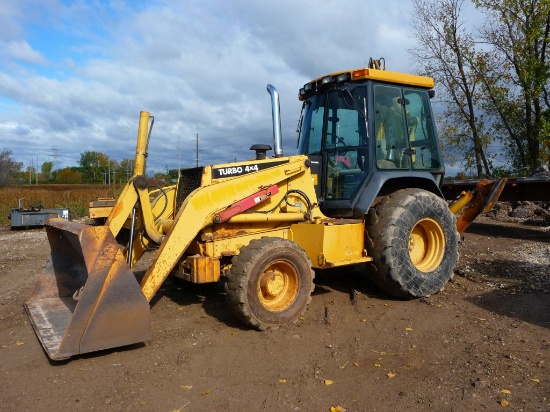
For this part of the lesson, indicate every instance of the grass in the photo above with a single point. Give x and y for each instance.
(74, 197)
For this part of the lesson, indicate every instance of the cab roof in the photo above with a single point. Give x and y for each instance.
(365, 74)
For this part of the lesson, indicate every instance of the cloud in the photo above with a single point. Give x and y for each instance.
(20, 50)
(75, 75)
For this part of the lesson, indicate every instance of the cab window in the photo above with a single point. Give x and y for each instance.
(345, 143)
(404, 129)
(423, 139)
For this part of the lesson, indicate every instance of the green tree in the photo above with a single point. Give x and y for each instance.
(46, 170)
(172, 175)
(445, 51)
(94, 165)
(9, 168)
(126, 169)
(515, 71)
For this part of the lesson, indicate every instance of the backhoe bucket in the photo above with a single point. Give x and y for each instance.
(480, 200)
(86, 298)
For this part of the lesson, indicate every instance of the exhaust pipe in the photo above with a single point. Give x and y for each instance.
(276, 115)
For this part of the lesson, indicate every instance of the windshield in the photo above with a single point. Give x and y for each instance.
(334, 125)
(345, 124)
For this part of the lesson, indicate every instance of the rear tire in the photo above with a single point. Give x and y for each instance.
(413, 238)
(270, 283)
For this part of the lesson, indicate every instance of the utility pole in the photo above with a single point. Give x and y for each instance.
(197, 151)
(179, 155)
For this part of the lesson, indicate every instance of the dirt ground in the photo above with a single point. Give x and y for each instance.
(482, 344)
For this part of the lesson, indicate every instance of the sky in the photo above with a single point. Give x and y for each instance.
(74, 75)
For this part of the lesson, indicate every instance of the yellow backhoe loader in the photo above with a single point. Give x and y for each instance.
(364, 188)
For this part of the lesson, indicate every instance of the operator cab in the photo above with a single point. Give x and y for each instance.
(366, 122)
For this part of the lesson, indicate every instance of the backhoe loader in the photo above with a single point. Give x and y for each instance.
(364, 189)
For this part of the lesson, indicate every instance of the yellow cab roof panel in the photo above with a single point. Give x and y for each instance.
(384, 76)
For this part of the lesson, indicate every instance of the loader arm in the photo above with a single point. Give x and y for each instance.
(136, 188)
(122, 208)
(197, 212)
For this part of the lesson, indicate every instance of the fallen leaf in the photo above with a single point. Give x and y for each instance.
(390, 375)
(282, 380)
(356, 364)
(482, 319)
(505, 403)
(364, 320)
(205, 392)
(409, 329)
(180, 308)
(337, 409)
(376, 365)
(180, 408)
(536, 380)
(506, 391)
(19, 343)
(186, 387)
(328, 382)
(234, 333)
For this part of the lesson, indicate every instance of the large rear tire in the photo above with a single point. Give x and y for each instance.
(270, 283)
(412, 237)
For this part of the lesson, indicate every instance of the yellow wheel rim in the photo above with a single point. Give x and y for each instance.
(278, 286)
(426, 245)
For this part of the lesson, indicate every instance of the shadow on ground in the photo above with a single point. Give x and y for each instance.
(524, 232)
(530, 307)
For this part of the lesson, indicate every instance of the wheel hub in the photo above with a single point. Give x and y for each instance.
(278, 286)
(426, 245)
(272, 284)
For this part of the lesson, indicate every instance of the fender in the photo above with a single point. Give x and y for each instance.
(384, 182)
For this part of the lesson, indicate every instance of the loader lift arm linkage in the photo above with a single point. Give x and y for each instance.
(262, 224)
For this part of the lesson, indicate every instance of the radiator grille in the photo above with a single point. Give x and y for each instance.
(190, 179)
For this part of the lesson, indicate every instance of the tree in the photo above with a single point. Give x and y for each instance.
(515, 73)
(445, 51)
(46, 170)
(9, 168)
(94, 165)
(172, 175)
(126, 168)
(68, 175)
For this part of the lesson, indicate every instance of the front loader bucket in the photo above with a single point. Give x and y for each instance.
(86, 298)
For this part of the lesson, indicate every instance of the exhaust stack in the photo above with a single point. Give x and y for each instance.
(276, 115)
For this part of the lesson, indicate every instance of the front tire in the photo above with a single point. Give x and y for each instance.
(413, 238)
(270, 283)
